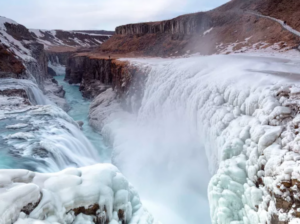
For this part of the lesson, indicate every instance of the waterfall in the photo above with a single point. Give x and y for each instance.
(33, 92)
(40, 136)
(197, 119)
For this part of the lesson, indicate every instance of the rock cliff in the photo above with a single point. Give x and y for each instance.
(95, 75)
(22, 57)
(233, 27)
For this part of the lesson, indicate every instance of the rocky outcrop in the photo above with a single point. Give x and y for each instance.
(22, 57)
(18, 31)
(51, 72)
(38, 67)
(10, 66)
(95, 75)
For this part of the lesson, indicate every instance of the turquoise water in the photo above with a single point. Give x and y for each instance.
(79, 112)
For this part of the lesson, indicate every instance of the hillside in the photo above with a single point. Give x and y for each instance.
(58, 40)
(237, 26)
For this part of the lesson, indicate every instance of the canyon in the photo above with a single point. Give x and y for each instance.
(206, 104)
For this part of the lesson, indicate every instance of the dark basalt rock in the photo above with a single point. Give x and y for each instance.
(10, 66)
(19, 32)
(51, 72)
(93, 210)
(31, 206)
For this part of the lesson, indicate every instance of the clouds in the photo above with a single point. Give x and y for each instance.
(97, 14)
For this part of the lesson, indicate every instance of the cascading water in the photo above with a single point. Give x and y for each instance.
(79, 111)
(40, 137)
(194, 117)
(34, 94)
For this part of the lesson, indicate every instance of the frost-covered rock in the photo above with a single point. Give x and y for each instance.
(95, 194)
(244, 110)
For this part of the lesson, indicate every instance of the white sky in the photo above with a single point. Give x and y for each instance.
(97, 14)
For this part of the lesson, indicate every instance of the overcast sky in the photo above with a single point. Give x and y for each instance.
(97, 14)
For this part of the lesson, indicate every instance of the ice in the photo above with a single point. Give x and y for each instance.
(16, 126)
(240, 115)
(34, 94)
(55, 197)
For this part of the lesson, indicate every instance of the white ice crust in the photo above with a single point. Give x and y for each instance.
(55, 195)
(244, 110)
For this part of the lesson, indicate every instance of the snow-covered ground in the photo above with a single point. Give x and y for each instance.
(49, 38)
(237, 111)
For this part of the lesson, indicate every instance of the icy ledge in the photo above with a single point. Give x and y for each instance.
(95, 194)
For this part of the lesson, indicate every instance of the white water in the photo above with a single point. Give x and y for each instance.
(33, 92)
(79, 112)
(47, 140)
(189, 123)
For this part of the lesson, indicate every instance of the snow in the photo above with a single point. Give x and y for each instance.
(4, 20)
(38, 33)
(58, 42)
(56, 195)
(208, 31)
(240, 115)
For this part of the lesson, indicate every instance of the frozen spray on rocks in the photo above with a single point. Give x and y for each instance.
(241, 115)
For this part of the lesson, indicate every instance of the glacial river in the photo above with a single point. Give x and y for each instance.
(80, 112)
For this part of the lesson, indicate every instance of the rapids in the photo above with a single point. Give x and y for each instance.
(79, 112)
(42, 137)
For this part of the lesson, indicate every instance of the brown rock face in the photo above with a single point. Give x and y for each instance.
(94, 210)
(95, 75)
(210, 32)
(10, 64)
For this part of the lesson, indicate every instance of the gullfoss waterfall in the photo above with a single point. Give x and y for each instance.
(216, 124)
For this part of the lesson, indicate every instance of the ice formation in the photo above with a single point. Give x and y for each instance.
(240, 111)
(95, 194)
(50, 140)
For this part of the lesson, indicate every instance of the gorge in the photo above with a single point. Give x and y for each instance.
(184, 121)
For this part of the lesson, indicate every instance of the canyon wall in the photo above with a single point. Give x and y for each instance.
(59, 57)
(186, 24)
(95, 75)
(231, 28)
